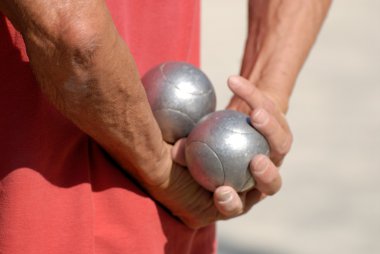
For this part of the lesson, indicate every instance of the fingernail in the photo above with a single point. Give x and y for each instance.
(260, 117)
(225, 197)
(261, 164)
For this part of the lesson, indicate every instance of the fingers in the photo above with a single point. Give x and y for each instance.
(249, 93)
(279, 139)
(238, 104)
(227, 201)
(253, 197)
(255, 98)
(268, 182)
(178, 152)
(265, 117)
(266, 175)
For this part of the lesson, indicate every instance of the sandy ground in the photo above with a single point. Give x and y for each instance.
(330, 200)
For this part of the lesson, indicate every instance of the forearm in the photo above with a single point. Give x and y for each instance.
(88, 73)
(280, 36)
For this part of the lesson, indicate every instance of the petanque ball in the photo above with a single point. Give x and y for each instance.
(220, 148)
(180, 95)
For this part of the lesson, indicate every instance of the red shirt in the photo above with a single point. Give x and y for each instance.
(59, 191)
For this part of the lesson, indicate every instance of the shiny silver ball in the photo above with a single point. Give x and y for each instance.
(180, 95)
(220, 148)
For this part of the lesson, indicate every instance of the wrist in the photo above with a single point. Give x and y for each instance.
(275, 93)
(155, 171)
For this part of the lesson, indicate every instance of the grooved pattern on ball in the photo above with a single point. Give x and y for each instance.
(204, 165)
(181, 87)
(173, 124)
(186, 77)
(234, 141)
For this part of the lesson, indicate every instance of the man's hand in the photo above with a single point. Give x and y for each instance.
(88, 73)
(196, 206)
(268, 118)
(280, 35)
(86, 70)
(266, 115)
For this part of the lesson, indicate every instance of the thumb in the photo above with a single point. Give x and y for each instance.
(178, 152)
(227, 201)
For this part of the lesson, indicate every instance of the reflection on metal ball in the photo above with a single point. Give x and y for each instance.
(180, 95)
(220, 148)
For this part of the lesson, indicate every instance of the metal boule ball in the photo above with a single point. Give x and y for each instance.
(220, 148)
(180, 95)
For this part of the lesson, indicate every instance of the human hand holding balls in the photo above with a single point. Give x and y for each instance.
(220, 147)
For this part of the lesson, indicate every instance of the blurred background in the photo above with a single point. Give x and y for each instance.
(330, 200)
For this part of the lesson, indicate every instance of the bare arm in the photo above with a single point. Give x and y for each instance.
(88, 73)
(280, 36)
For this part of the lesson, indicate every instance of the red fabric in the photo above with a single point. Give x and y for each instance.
(59, 191)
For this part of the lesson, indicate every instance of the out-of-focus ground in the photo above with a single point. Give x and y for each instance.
(330, 200)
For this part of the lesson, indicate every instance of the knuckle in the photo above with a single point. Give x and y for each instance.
(276, 186)
(284, 148)
(288, 143)
(270, 105)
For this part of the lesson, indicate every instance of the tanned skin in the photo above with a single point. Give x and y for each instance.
(88, 73)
